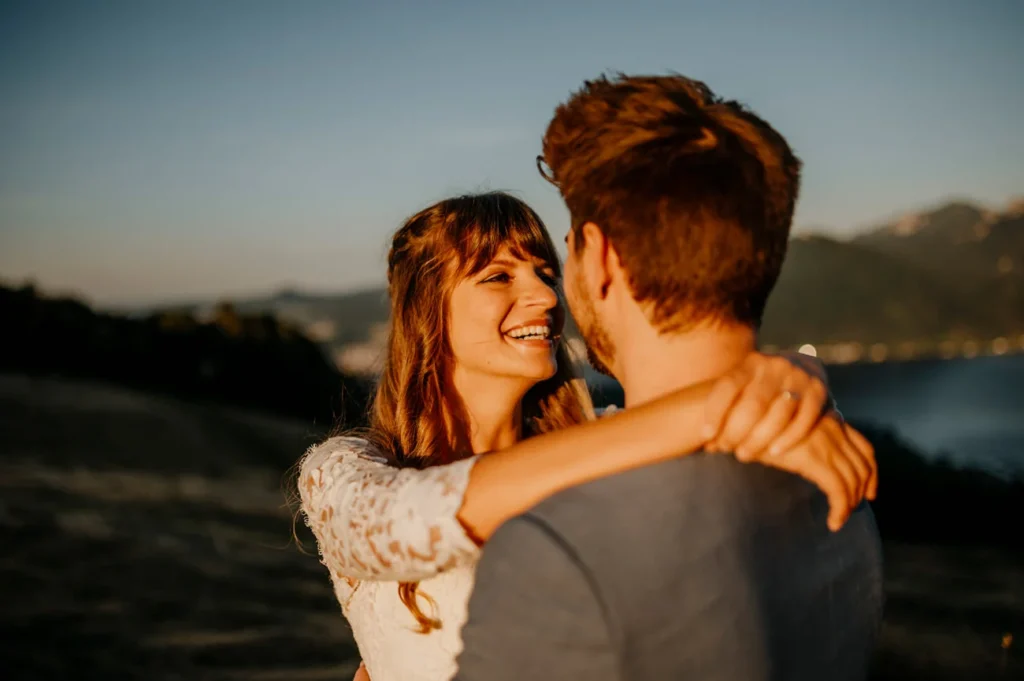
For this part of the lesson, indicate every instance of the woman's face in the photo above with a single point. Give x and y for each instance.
(505, 319)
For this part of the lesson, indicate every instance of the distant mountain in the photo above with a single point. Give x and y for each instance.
(979, 252)
(952, 272)
(955, 271)
(959, 236)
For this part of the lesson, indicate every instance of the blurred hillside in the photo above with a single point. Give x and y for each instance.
(952, 273)
(941, 282)
(254, 360)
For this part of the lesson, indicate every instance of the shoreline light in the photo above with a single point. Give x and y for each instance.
(808, 349)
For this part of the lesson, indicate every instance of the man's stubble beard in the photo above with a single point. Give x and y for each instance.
(600, 349)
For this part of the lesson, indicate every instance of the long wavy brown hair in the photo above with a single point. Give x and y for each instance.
(417, 418)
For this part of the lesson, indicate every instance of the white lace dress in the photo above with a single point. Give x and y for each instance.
(377, 525)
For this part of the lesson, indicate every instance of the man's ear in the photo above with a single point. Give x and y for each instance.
(597, 258)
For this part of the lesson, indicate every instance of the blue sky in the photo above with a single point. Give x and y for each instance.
(168, 150)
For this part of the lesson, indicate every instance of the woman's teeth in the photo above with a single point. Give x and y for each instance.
(530, 332)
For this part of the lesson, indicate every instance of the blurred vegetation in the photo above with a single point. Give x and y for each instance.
(253, 360)
(931, 501)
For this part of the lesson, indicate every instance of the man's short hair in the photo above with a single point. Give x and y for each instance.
(695, 193)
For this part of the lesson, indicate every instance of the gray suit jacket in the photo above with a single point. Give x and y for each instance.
(698, 568)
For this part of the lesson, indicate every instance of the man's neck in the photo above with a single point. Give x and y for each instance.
(652, 365)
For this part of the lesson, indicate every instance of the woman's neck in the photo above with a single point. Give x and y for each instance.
(494, 410)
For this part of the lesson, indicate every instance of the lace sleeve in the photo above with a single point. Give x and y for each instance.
(376, 522)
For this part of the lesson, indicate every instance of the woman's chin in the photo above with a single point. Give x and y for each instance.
(544, 372)
(531, 370)
(531, 374)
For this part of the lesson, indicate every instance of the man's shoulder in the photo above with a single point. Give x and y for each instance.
(676, 498)
(685, 481)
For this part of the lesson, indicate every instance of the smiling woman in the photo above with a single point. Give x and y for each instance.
(462, 275)
(506, 320)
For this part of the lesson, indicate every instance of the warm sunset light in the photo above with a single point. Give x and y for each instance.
(407, 341)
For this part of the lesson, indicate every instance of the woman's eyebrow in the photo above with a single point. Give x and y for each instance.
(504, 262)
(511, 263)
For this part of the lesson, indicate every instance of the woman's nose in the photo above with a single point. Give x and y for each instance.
(541, 293)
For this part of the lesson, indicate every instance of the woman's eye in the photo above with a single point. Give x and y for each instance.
(549, 278)
(499, 278)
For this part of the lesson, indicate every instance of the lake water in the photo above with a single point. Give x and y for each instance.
(970, 411)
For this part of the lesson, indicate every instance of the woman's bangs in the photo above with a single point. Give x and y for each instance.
(523, 236)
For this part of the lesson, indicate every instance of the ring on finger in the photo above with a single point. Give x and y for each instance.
(791, 395)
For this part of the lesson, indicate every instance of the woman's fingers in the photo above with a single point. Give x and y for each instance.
(780, 414)
(861, 466)
(844, 465)
(751, 407)
(763, 378)
(764, 402)
(831, 454)
(833, 463)
(723, 396)
(867, 453)
(810, 461)
(811, 402)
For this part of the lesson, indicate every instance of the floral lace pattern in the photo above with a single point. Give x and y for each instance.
(376, 522)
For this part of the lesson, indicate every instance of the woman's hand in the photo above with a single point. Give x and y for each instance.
(765, 402)
(361, 673)
(769, 410)
(837, 459)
